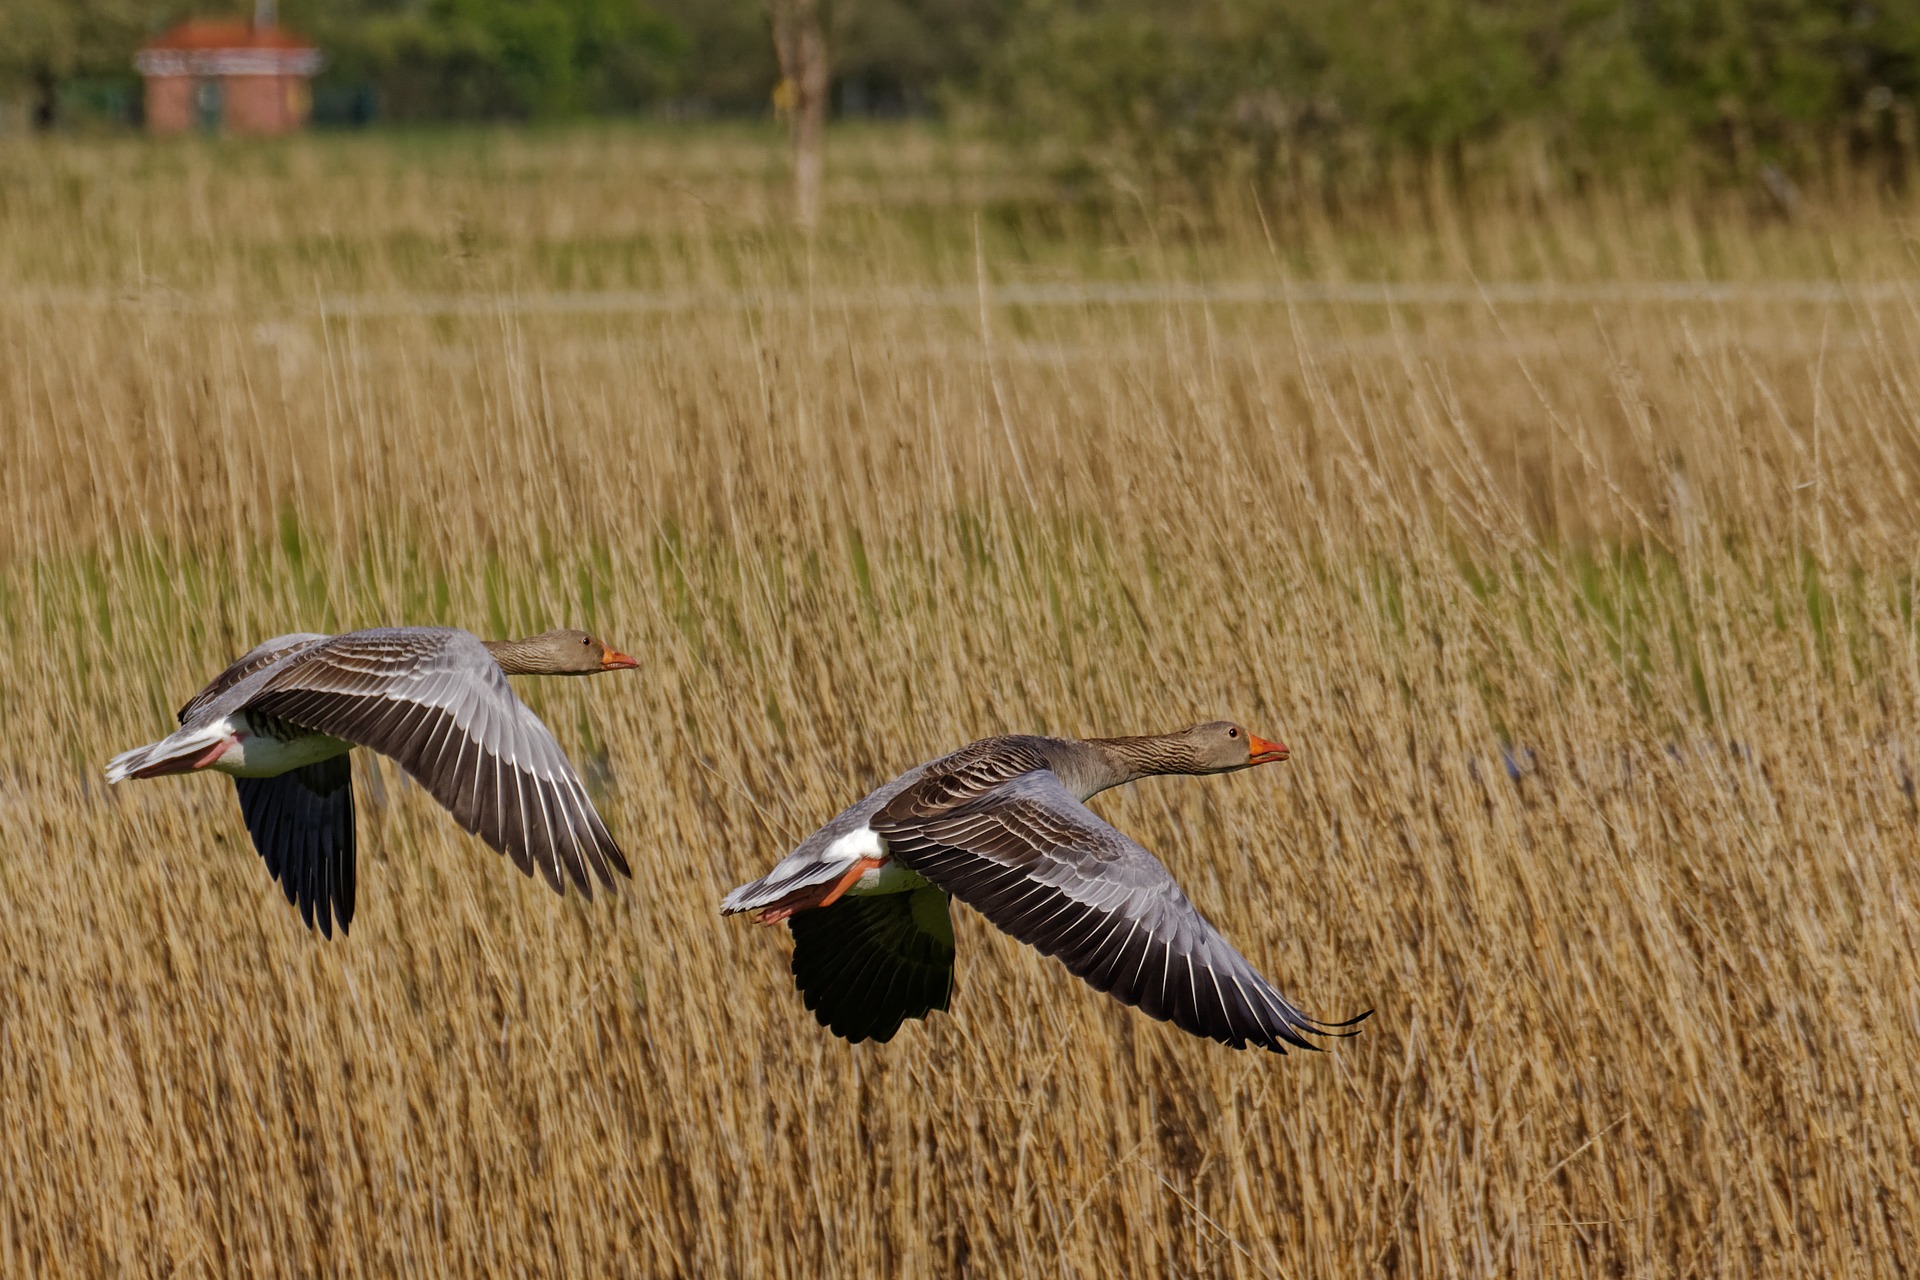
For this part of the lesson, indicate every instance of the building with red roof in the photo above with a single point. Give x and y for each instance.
(222, 75)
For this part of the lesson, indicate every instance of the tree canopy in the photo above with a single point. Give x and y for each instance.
(1183, 83)
(1170, 86)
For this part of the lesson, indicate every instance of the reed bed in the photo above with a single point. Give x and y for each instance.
(1589, 616)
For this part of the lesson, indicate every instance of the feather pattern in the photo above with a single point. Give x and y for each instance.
(434, 699)
(1002, 825)
(407, 693)
(263, 655)
(1023, 851)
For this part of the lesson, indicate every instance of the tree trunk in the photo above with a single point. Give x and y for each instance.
(46, 99)
(800, 40)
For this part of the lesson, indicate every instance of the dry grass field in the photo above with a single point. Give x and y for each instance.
(1578, 567)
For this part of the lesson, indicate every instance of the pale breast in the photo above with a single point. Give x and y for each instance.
(266, 748)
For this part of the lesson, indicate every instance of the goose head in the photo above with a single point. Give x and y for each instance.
(566, 651)
(1221, 746)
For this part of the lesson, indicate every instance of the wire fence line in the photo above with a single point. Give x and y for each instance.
(1049, 295)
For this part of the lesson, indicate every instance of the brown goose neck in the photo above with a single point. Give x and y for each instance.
(1114, 762)
(517, 657)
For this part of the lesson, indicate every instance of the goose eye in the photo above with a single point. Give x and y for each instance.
(1233, 733)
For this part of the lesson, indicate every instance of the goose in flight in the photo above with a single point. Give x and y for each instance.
(283, 717)
(1002, 826)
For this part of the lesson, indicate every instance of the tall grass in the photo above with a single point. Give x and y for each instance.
(1589, 617)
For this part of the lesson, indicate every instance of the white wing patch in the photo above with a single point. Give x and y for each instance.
(861, 842)
(804, 868)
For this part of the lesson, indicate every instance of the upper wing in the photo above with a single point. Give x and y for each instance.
(302, 824)
(864, 965)
(257, 658)
(436, 701)
(1042, 866)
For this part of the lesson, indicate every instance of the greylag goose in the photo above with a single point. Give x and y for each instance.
(282, 718)
(1001, 825)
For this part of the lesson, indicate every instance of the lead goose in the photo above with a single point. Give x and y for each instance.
(1001, 825)
(282, 718)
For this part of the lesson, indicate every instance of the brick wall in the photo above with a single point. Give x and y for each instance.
(265, 105)
(169, 104)
(253, 105)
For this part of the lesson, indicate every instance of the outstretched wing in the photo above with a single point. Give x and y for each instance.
(261, 656)
(436, 702)
(302, 824)
(864, 965)
(1031, 858)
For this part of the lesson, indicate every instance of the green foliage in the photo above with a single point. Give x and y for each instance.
(904, 53)
(1175, 86)
(47, 43)
(888, 55)
(728, 63)
(64, 38)
(541, 59)
(1193, 91)
(467, 59)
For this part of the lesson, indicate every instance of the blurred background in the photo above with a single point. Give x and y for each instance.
(1513, 406)
(1775, 93)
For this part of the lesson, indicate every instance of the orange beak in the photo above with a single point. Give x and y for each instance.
(1265, 752)
(614, 660)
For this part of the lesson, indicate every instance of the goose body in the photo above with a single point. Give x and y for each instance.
(1002, 825)
(249, 746)
(282, 718)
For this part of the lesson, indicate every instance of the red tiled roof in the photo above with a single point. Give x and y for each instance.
(219, 33)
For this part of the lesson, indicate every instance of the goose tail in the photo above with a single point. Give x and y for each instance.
(178, 753)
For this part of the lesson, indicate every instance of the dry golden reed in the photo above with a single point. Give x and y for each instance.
(1578, 569)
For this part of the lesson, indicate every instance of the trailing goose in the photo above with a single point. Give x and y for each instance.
(283, 717)
(1002, 826)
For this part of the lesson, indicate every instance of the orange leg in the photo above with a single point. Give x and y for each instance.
(846, 881)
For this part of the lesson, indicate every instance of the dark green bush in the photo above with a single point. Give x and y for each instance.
(1195, 88)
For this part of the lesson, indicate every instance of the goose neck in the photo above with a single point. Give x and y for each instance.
(1101, 763)
(516, 657)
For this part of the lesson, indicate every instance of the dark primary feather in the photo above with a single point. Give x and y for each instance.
(436, 702)
(1025, 853)
(302, 825)
(864, 965)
